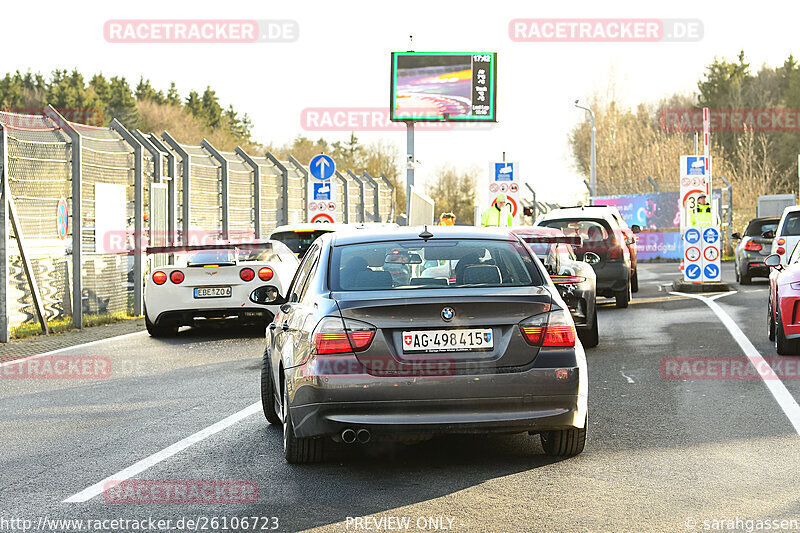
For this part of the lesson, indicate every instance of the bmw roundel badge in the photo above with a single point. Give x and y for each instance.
(448, 313)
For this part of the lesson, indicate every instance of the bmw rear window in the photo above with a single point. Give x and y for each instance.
(435, 264)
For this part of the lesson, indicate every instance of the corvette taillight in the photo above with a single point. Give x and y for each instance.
(332, 337)
(247, 274)
(265, 273)
(553, 329)
(176, 276)
(159, 278)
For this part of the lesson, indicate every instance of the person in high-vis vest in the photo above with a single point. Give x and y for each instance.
(701, 214)
(497, 214)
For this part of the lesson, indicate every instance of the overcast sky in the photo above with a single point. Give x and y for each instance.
(341, 59)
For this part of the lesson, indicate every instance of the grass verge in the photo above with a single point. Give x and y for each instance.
(61, 325)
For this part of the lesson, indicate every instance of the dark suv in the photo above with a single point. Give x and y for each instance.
(603, 245)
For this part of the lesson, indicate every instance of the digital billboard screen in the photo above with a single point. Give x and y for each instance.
(428, 86)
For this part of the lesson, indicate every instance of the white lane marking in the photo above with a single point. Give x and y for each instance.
(630, 379)
(770, 379)
(721, 295)
(67, 348)
(139, 467)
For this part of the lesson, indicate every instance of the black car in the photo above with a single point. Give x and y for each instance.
(574, 279)
(357, 354)
(753, 247)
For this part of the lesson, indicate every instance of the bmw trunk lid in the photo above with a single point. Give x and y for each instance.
(466, 329)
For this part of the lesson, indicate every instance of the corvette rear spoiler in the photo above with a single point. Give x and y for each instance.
(551, 239)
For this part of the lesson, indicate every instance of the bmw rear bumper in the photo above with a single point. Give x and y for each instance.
(536, 399)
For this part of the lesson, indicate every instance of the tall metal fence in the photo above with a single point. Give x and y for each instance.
(81, 203)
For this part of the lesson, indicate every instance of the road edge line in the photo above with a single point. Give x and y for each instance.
(66, 348)
(155, 458)
(779, 391)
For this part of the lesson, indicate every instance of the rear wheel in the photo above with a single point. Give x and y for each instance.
(159, 331)
(268, 391)
(623, 296)
(635, 281)
(783, 345)
(744, 278)
(566, 442)
(298, 450)
(590, 337)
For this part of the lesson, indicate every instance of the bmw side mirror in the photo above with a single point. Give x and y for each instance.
(736, 236)
(636, 228)
(267, 295)
(773, 261)
(591, 258)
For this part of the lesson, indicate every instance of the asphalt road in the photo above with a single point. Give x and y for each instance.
(662, 454)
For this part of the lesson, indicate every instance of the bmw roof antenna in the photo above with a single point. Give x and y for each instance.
(425, 235)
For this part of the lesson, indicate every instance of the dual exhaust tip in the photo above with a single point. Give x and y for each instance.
(349, 436)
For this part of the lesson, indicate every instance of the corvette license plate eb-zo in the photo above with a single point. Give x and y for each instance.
(212, 292)
(448, 340)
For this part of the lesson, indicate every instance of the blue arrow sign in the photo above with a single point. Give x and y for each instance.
(693, 271)
(322, 167)
(692, 235)
(710, 235)
(711, 271)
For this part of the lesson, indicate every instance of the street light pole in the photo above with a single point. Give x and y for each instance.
(593, 160)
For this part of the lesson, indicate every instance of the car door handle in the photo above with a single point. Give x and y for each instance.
(285, 326)
(272, 325)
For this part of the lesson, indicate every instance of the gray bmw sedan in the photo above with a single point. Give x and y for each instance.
(415, 332)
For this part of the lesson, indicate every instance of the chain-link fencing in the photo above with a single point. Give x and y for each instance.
(89, 200)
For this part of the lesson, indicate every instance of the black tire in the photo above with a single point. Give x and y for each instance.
(635, 281)
(159, 331)
(770, 322)
(623, 296)
(566, 442)
(268, 391)
(783, 345)
(590, 337)
(298, 450)
(744, 279)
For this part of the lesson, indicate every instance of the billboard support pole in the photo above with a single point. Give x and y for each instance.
(410, 166)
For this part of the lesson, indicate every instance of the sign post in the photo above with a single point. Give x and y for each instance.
(505, 180)
(321, 190)
(701, 235)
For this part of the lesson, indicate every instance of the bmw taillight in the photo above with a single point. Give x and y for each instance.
(553, 329)
(752, 246)
(780, 251)
(247, 274)
(265, 273)
(159, 278)
(176, 276)
(335, 336)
